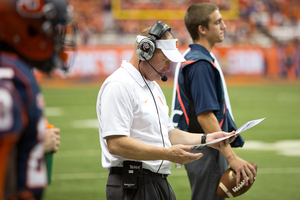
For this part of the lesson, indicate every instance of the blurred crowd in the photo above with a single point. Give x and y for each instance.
(261, 22)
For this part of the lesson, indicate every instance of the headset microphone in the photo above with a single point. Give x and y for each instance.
(163, 78)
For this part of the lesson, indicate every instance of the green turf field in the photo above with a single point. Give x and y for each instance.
(77, 170)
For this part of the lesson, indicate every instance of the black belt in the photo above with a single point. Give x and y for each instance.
(119, 170)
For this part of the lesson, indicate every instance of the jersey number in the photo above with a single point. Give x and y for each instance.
(6, 110)
(36, 171)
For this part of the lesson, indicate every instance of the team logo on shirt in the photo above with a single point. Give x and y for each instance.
(161, 100)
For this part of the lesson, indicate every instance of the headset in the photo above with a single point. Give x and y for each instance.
(146, 47)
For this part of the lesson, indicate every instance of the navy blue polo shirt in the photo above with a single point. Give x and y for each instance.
(201, 83)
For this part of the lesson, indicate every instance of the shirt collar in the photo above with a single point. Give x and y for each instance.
(136, 75)
(202, 49)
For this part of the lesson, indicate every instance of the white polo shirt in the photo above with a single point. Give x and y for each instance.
(125, 106)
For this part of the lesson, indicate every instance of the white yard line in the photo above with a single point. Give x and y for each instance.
(284, 147)
(78, 153)
(103, 175)
(53, 111)
(289, 148)
(295, 170)
(72, 176)
(87, 123)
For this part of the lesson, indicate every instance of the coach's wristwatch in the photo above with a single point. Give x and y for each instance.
(203, 138)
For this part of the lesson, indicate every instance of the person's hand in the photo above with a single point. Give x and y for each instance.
(242, 169)
(52, 140)
(180, 154)
(222, 144)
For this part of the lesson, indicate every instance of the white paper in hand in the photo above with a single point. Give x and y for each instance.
(246, 126)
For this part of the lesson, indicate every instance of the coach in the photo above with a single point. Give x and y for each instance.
(137, 138)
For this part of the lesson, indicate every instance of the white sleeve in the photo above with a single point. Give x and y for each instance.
(114, 110)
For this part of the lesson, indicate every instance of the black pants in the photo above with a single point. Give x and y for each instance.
(151, 186)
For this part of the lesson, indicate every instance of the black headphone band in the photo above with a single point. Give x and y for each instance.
(158, 30)
(147, 46)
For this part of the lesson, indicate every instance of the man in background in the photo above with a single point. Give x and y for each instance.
(201, 103)
(32, 35)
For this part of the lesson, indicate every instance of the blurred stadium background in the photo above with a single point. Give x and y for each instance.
(261, 38)
(260, 58)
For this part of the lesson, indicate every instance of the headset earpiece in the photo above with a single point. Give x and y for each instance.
(146, 47)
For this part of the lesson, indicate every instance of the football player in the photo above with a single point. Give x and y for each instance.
(32, 35)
